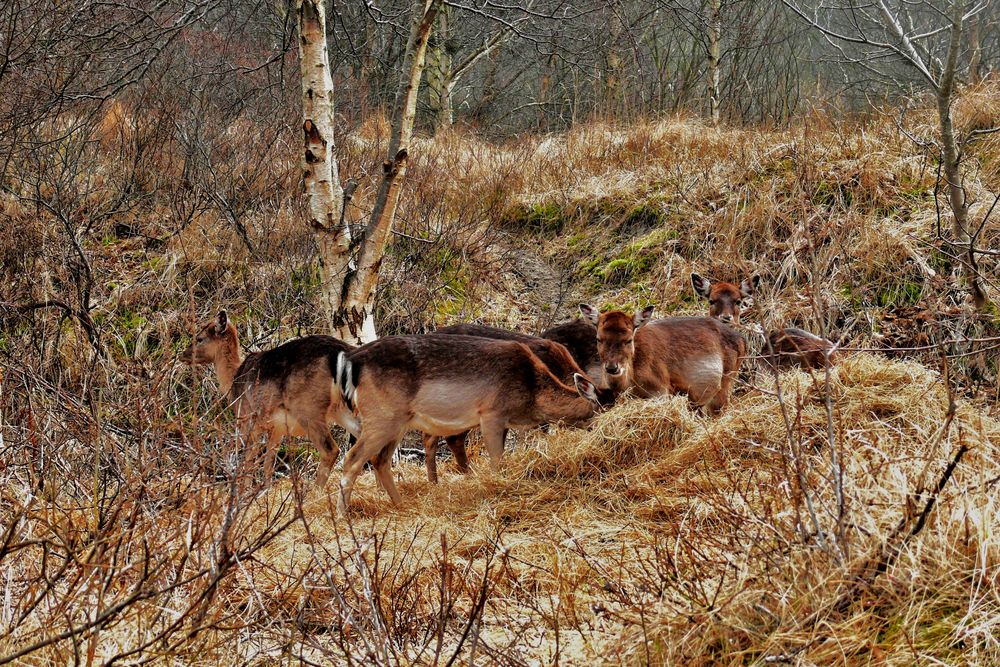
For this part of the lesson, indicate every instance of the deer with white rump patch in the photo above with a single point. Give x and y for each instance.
(786, 347)
(288, 390)
(446, 385)
(697, 356)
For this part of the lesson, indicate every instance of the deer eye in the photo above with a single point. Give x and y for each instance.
(712, 302)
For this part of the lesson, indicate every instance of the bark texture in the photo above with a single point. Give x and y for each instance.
(323, 191)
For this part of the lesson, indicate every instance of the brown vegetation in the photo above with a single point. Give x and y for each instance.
(819, 523)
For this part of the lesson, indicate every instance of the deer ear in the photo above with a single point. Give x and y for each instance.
(701, 286)
(643, 316)
(749, 287)
(221, 322)
(585, 388)
(589, 313)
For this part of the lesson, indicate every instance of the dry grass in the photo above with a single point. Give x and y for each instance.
(132, 524)
(657, 535)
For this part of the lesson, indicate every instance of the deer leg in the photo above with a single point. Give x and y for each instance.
(494, 434)
(383, 473)
(271, 445)
(371, 442)
(456, 443)
(326, 446)
(721, 399)
(430, 457)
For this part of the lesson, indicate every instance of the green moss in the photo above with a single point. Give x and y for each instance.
(905, 293)
(632, 264)
(546, 218)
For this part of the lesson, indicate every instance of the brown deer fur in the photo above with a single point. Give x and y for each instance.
(787, 347)
(725, 300)
(697, 356)
(445, 385)
(581, 335)
(797, 347)
(288, 390)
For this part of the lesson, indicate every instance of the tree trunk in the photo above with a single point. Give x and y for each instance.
(714, 34)
(613, 85)
(975, 51)
(323, 191)
(355, 314)
(951, 159)
(439, 73)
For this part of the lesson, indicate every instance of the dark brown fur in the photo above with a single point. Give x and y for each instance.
(288, 390)
(581, 335)
(796, 347)
(445, 385)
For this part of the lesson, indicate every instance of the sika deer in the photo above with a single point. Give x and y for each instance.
(725, 300)
(445, 385)
(554, 358)
(698, 356)
(288, 390)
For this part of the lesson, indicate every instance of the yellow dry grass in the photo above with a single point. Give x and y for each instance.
(660, 536)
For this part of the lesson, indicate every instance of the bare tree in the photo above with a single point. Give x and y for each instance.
(350, 267)
(926, 39)
(444, 70)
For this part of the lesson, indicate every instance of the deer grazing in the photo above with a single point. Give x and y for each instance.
(580, 337)
(288, 390)
(446, 385)
(786, 347)
(697, 356)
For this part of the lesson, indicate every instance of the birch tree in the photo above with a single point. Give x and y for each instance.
(926, 39)
(349, 266)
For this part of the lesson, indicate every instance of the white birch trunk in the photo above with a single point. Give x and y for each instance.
(323, 191)
(356, 311)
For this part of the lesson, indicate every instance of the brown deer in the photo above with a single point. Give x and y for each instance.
(445, 385)
(725, 300)
(697, 356)
(579, 334)
(288, 390)
(791, 346)
(785, 347)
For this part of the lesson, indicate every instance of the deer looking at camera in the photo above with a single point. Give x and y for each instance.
(786, 347)
(288, 390)
(725, 300)
(446, 385)
(697, 356)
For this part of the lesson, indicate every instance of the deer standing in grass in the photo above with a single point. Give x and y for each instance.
(790, 346)
(288, 390)
(446, 385)
(697, 356)
(576, 338)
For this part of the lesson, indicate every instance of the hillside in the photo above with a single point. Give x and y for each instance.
(849, 518)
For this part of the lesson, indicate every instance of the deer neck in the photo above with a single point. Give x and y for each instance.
(227, 362)
(556, 402)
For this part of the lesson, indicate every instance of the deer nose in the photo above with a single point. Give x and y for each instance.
(613, 369)
(727, 318)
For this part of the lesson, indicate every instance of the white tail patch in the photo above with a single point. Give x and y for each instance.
(344, 379)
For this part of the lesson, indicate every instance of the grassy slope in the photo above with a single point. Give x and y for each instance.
(657, 535)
